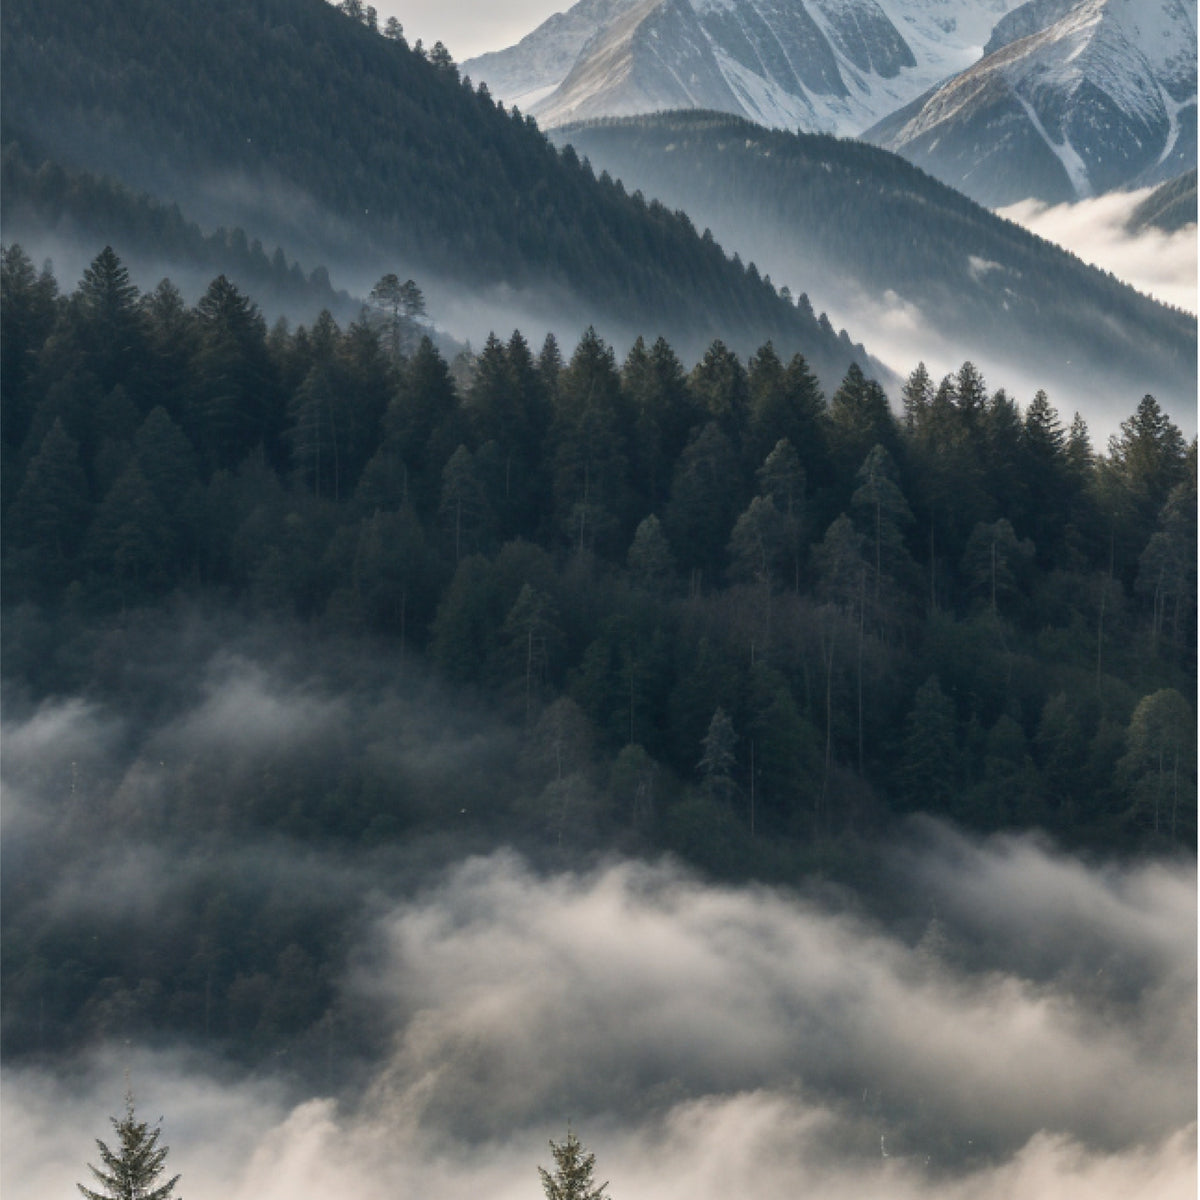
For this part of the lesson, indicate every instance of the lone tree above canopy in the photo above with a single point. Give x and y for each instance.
(131, 1172)
(402, 303)
(573, 1179)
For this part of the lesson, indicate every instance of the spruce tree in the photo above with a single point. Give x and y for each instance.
(573, 1178)
(132, 1171)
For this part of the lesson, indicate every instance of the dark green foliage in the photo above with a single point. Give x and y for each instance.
(234, 406)
(857, 217)
(664, 410)
(423, 423)
(591, 459)
(46, 518)
(651, 563)
(131, 538)
(131, 1172)
(27, 310)
(753, 674)
(428, 173)
(928, 769)
(859, 418)
(1171, 206)
(702, 507)
(573, 1175)
(1160, 765)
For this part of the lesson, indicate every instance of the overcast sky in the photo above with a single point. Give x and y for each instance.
(469, 27)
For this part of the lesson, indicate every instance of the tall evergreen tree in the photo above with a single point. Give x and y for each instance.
(133, 1169)
(719, 383)
(27, 303)
(591, 464)
(110, 320)
(859, 418)
(46, 518)
(717, 762)
(663, 412)
(424, 422)
(916, 396)
(928, 769)
(235, 407)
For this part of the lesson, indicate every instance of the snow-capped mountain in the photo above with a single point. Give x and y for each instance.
(816, 65)
(1072, 100)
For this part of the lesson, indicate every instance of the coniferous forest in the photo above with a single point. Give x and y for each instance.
(701, 608)
(773, 767)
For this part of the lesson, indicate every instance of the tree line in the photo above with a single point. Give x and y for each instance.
(397, 156)
(721, 614)
(962, 603)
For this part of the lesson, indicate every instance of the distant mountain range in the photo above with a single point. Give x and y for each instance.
(1070, 101)
(818, 65)
(1052, 99)
(934, 267)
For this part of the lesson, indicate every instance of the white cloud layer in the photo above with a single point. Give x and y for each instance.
(1162, 265)
(1038, 1041)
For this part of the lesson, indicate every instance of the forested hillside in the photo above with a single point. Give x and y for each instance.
(1170, 207)
(712, 611)
(79, 208)
(866, 223)
(309, 129)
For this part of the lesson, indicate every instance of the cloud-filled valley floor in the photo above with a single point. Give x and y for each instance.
(707, 1041)
(983, 1019)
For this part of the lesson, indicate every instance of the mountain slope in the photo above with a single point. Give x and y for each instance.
(307, 129)
(932, 267)
(1170, 207)
(1104, 96)
(834, 65)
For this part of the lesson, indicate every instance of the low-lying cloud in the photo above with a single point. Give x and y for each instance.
(713, 1041)
(986, 1019)
(1162, 265)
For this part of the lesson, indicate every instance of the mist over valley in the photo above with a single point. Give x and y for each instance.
(673, 641)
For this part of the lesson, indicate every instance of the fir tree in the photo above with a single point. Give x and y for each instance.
(132, 1171)
(573, 1178)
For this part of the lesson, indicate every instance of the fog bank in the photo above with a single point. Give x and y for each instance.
(1162, 265)
(1034, 1035)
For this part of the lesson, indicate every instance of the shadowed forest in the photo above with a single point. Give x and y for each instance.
(342, 593)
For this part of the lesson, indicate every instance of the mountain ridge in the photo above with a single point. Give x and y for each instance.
(818, 65)
(1103, 97)
(301, 126)
(928, 260)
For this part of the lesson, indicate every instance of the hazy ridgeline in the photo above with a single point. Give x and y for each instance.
(910, 263)
(400, 761)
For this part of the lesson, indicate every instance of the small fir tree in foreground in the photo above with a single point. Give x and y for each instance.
(573, 1179)
(131, 1171)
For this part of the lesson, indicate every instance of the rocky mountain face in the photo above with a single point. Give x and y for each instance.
(817, 65)
(1051, 99)
(1071, 100)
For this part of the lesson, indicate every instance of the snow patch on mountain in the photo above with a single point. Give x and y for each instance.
(1074, 166)
(819, 65)
(1108, 89)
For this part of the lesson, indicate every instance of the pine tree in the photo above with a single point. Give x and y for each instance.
(132, 1172)
(573, 1178)
(717, 763)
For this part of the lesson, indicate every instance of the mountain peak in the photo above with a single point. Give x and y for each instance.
(819, 65)
(1104, 96)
